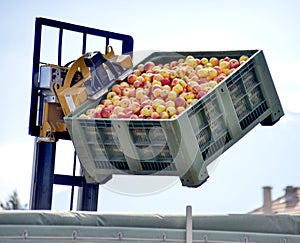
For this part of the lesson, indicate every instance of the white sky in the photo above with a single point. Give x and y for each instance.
(265, 156)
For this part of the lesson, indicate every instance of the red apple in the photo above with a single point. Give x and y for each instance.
(148, 66)
(233, 63)
(179, 101)
(131, 78)
(200, 94)
(138, 84)
(106, 112)
(116, 88)
(165, 81)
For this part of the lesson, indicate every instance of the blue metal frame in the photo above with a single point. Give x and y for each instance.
(43, 177)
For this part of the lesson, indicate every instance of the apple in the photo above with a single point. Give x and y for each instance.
(172, 74)
(172, 95)
(131, 93)
(125, 91)
(170, 103)
(154, 115)
(165, 81)
(99, 107)
(189, 95)
(106, 112)
(243, 58)
(173, 64)
(190, 102)
(148, 66)
(214, 61)
(97, 114)
(180, 109)
(139, 93)
(125, 102)
(147, 85)
(124, 84)
(135, 107)
(138, 84)
(164, 73)
(164, 93)
(145, 98)
(106, 102)
(180, 73)
(220, 78)
(156, 92)
(224, 64)
(167, 87)
(113, 116)
(191, 62)
(147, 110)
(218, 69)
(117, 109)
(212, 73)
(115, 100)
(128, 113)
(141, 79)
(155, 103)
(182, 83)
(156, 83)
(137, 72)
(200, 94)
(141, 67)
(164, 115)
(116, 88)
(131, 78)
(196, 89)
(110, 95)
(227, 59)
(177, 88)
(204, 61)
(145, 77)
(145, 103)
(160, 108)
(121, 115)
(83, 116)
(158, 77)
(202, 73)
(171, 110)
(134, 116)
(179, 101)
(233, 63)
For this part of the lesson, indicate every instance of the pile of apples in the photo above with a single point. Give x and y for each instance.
(164, 91)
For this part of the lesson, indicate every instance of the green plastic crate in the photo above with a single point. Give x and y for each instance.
(186, 145)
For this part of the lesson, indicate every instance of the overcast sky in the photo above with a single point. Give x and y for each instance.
(265, 156)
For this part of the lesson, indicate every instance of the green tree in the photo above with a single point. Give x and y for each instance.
(13, 202)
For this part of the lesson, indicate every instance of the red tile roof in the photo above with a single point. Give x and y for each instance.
(289, 203)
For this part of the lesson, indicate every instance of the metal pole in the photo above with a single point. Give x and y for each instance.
(42, 175)
(88, 197)
(189, 225)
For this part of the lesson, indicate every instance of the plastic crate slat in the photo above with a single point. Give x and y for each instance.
(217, 145)
(249, 119)
(111, 165)
(158, 166)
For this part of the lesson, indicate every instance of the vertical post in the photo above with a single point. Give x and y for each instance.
(88, 197)
(42, 175)
(189, 225)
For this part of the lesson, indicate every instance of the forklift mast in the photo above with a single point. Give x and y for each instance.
(43, 176)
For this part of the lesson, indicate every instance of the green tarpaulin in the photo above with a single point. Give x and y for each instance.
(51, 226)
